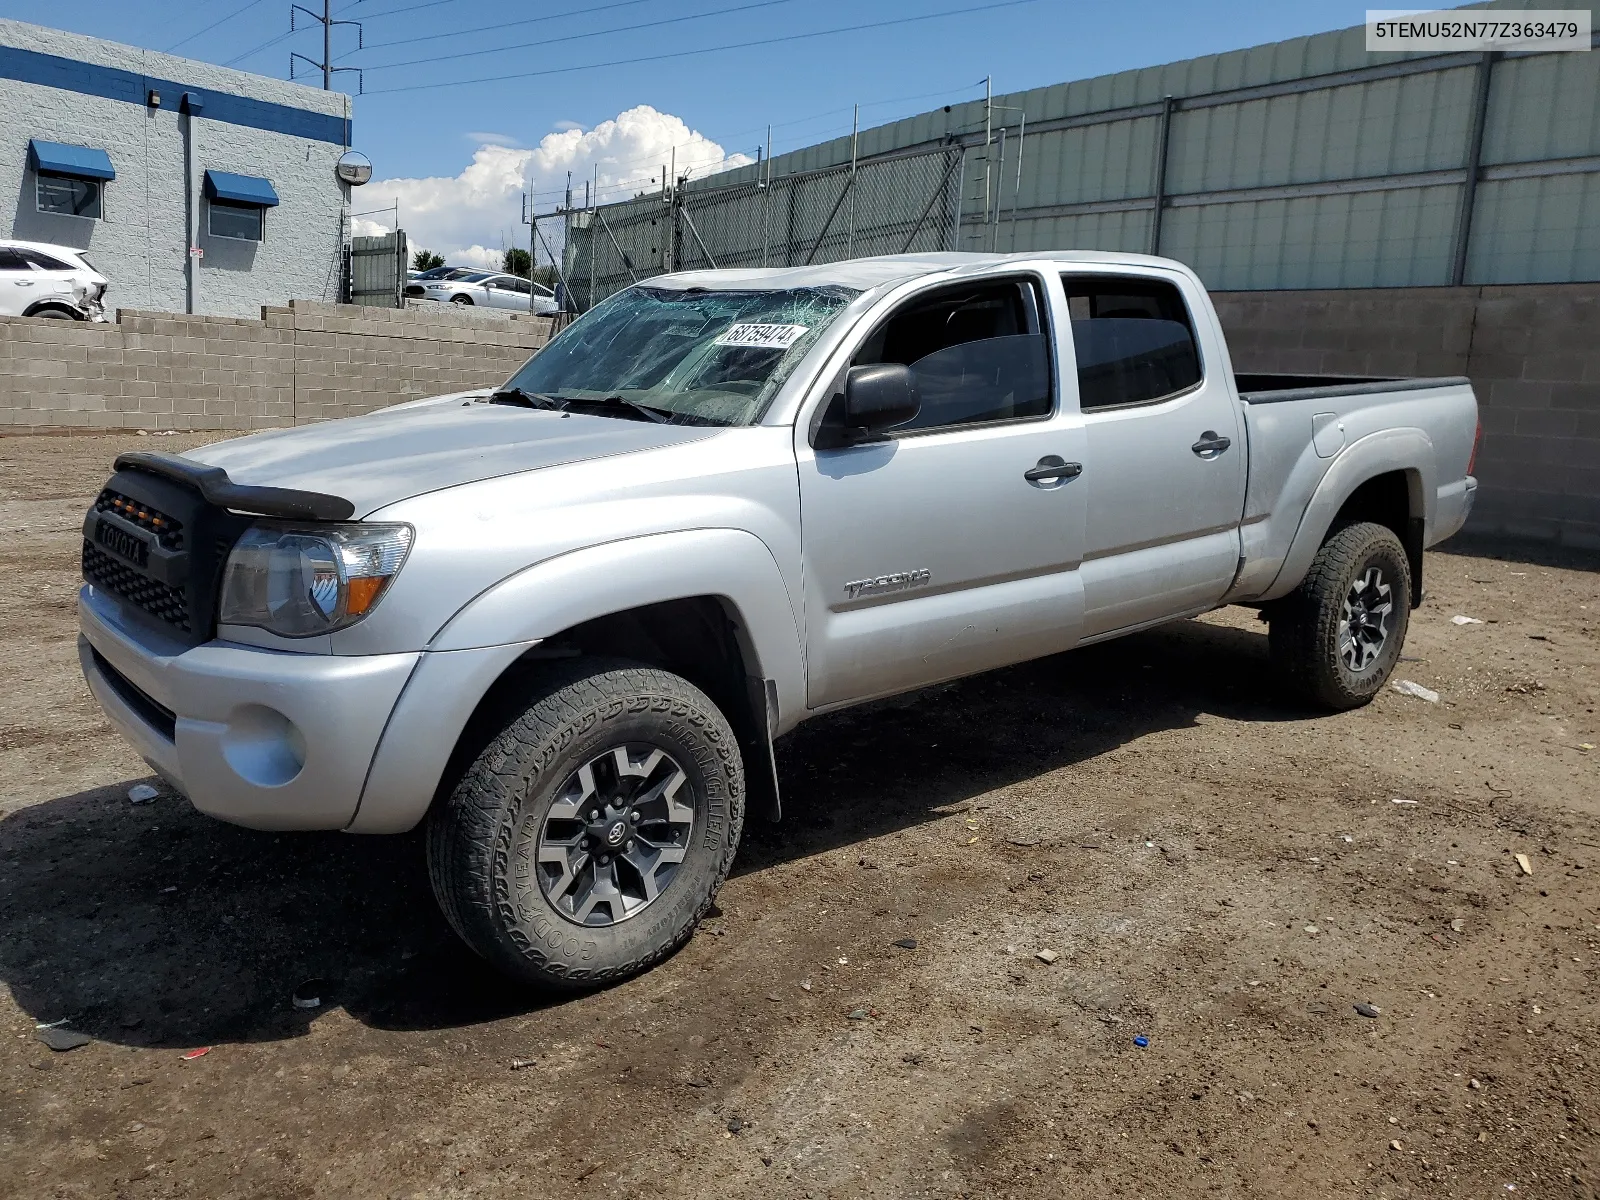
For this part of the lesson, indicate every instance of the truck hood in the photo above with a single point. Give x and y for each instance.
(384, 457)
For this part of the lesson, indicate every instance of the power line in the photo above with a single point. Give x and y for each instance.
(654, 58)
(223, 21)
(434, 37)
(578, 37)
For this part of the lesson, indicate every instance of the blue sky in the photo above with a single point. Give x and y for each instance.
(425, 121)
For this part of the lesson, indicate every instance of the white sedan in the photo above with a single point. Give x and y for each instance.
(489, 289)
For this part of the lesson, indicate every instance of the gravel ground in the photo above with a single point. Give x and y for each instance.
(1220, 875)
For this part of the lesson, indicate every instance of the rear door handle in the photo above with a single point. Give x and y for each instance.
(1052, 468)
(1210, 444)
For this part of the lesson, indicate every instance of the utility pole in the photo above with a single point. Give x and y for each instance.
(325, 19)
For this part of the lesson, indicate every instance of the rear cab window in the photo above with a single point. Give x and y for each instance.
(1134, 340)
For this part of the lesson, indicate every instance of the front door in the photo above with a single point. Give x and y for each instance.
(931, 554)
(18, 283)
(1167, 490)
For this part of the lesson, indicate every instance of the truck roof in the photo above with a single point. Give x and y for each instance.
(868, 273)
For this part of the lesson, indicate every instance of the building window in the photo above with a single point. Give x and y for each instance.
(243, 222)
(70, 180)
(71, 197)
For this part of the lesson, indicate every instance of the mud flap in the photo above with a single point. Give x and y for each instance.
(761, 765)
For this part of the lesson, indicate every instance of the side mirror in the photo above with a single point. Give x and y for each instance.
(876, 398)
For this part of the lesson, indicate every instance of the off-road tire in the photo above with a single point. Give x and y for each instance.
(1303, 633)
(481, 838)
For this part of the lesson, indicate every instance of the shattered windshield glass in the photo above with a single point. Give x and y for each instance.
(702, 357)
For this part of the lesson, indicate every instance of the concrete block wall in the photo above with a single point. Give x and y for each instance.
(1531, 351)
(305, 362)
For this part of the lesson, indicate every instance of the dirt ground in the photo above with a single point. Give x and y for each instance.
(1218, 874)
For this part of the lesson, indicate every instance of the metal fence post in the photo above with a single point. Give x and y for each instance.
(1469, 186)
(1164, 140)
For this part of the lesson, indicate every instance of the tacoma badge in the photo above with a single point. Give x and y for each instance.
(900, 581)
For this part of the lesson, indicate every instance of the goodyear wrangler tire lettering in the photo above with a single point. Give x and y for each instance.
(501, 849)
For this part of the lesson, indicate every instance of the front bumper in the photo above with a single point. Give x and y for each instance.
(262, 738)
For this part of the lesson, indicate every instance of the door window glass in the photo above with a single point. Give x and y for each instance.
(43, 262)
(10, 260)
(977, 353)
(1133, 338)
(73, 197)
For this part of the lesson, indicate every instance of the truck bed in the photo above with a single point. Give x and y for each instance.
(1301, 427)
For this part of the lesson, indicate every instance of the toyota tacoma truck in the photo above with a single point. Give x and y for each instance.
(562, 621)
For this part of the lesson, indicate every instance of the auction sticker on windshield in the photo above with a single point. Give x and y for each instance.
(775, 337)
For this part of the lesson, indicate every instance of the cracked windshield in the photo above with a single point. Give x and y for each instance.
(690, 357)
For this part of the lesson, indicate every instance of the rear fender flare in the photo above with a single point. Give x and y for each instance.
(1408, 450)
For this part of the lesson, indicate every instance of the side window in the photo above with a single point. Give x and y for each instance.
(1134, 340)
(42, 262)
(978, 354)
(11, 260)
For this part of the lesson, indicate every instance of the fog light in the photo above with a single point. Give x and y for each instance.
(263, 746)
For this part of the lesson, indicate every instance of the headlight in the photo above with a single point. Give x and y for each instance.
(302, 582)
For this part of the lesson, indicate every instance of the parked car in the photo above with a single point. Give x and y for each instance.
(421, 277)
(560, 623)
(491, 289)
(38, 279)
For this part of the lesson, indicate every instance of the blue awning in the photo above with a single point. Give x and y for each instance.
(240, 189)
(79, 162)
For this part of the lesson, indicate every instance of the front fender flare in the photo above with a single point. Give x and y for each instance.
(1407, 449)
(496, 627)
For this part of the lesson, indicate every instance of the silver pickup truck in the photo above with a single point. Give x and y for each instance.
(562, 622)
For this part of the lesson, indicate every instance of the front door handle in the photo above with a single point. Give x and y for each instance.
(1210, 444)
(1052, 469)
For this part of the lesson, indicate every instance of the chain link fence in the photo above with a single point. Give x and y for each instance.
(890, 205)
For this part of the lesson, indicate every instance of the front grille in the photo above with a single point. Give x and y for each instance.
(159, 717)
(168, 530)
(415, 289)
(156, 598)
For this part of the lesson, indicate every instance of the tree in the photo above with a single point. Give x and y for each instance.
(426, 260)
(516, 262)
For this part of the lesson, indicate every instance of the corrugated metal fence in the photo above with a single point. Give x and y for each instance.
(1305, 164)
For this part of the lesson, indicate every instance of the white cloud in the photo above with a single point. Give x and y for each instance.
(468, 217)
(480, 138)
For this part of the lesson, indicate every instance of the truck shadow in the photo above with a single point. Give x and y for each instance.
(155, 926)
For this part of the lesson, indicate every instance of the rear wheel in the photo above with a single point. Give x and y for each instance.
(56, 314)
(585, 843)
(1336, 638)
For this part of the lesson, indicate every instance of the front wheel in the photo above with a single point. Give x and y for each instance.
(459, 299)
(1336, 638)
(589, 838)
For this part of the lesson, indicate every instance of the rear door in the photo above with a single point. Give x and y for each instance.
(1165, 491)
(929, 554)
(52, 276)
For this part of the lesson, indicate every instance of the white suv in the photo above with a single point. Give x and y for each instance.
(41, 280)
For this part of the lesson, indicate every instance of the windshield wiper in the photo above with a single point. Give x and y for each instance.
(660, 416)
(516, 395)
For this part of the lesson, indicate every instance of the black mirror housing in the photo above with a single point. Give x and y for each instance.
(876, 398)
